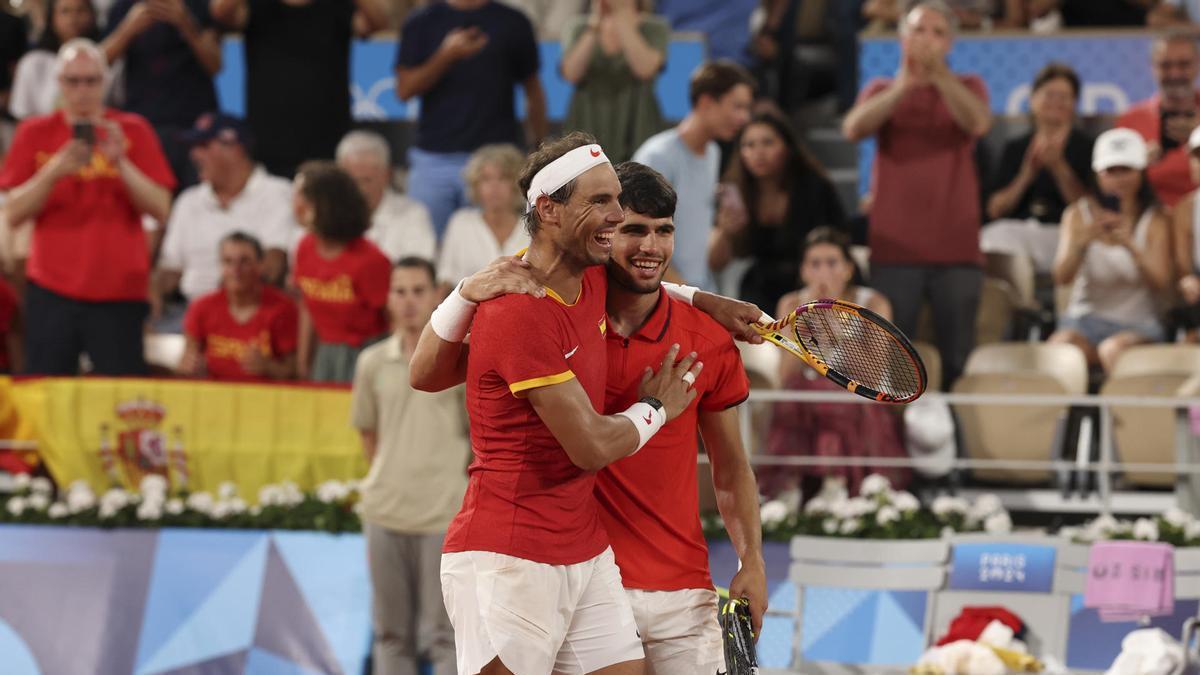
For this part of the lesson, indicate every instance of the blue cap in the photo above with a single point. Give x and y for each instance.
(219, 126)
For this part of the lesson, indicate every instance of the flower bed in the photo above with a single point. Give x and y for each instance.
(330, 508)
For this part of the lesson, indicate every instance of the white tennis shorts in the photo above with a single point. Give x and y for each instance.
(538, 618)
(680, 631)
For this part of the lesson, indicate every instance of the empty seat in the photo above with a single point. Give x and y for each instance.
(1018, 432)
(1147, 435)
(998, 302)
(933, 364)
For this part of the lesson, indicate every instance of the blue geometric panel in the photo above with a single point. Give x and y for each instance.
(187, 566)
(263, 662)
(897, 640)
(286, 625)
(1093, 644)
(331, 573)
(18, 660)
(863, 626)
(224, 622)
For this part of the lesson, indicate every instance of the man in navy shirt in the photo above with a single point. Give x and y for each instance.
(172, 51)
(463, 58)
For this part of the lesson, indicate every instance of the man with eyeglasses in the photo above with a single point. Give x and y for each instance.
(1167, 119)
(86, 175)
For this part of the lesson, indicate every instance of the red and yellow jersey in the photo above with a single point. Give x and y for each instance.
(345, 295)
(524, 496)
(272, 330)
(648, 502)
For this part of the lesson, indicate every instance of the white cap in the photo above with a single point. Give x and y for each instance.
(1119, 147)
(1194, 140)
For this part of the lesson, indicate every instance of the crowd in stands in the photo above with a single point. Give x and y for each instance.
(268, 241)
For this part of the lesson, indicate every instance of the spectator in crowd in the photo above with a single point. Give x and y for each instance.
(11, 330)
(828, 429)
(884, 15)
(341, 276)
(298, 72)
(1173, 13)
(1115, 253)
(35, 88)
(400, 226)
(13, 43)
(1186, 241)
(1040, 173)
(613, 56)
(549, 17)
(85, 175)
(235, 195)
(1166, 119)
(463, 57)
(1040, 16)
(479, 234)
(924, 222)
(245, 329)
(721, 93)
(418, 448)
(776, 192)
(171, 51)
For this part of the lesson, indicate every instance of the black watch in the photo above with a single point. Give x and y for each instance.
(653, 402)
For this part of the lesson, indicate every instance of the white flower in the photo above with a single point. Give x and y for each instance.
(220, 509)
(174, 506)
(38, 501)
(292, 495)
(945, 505)
(850, 526)
(114, 500)
(41, 485)
(1177, 517)
(998, 523)
(201, 502)
(816, 505)
(905, 502)
(237, 505)
(256, 510)
(107, 511)
(16, 505)
(353, 485)
(830, 525)
(887, 515)
(332, 491)
(21, 481)
(58, 510)
(80, 500)
(773, 513)
(226, 490)
(153, 484)
(855, 508)
(947, 532)
(986, 505)
(1145, 529)
(874, 484)
(270, 495)
(1101, 527)
(151, 509)
(1192, 530)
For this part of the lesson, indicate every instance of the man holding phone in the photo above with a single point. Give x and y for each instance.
(85, 175)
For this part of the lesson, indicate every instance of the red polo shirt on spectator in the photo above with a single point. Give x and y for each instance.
(272, 330)
(925, 183)
(88, 242)
(1170, 176)
(346, 294)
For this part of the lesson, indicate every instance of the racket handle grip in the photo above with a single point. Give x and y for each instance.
(765, 318)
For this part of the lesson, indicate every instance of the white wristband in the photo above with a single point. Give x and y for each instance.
(680, 292)
(646, 419)
(451, 321)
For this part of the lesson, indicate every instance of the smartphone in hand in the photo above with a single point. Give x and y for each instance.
(84, 131)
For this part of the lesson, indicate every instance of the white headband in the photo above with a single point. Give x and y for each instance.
(564, 170)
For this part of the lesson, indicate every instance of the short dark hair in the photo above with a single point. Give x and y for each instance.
(51, 42)
(539, 159)
(1057, 71)
(341, 213)
(829, 235)
(715, 78)
(645, 191)
(418, 263)
(239, 237)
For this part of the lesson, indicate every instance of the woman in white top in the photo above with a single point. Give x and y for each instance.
(1114, 248)
(475, 236)
(35, 87)
(826, 270)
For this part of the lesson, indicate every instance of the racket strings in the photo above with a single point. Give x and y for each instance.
(859, 349)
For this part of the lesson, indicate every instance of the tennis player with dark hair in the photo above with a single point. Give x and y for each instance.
(649, 502)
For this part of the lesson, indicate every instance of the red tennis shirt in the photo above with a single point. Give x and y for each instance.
(272, 330)
(648, 502)
(524, 496)
(345, 295)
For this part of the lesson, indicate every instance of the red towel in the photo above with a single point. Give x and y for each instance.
(971, 621)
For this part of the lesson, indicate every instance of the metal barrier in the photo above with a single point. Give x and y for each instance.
(1186, 466)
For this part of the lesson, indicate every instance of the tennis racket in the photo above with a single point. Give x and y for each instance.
(738, 636)
(851, 346)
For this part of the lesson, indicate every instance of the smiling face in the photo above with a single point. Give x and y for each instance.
(1054, 102)
(641, 252)
(584, 225)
